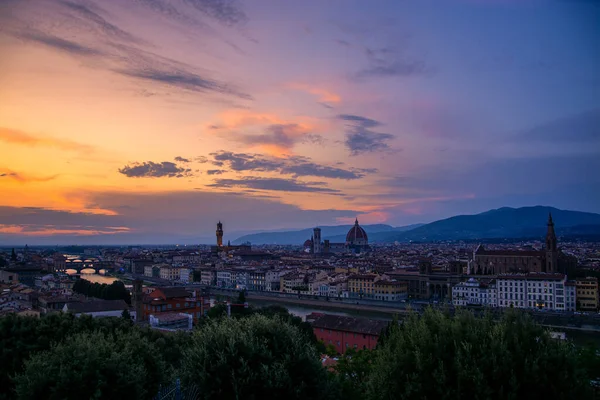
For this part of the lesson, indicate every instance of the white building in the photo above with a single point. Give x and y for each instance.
(323, 289)
(336, 289)
(207, 277)
(239, 279)
(169, 273)
(532, 290)
(185, 275)
(224, 278)
(474, 292)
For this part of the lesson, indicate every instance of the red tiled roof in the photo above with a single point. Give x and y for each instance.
(350, 324)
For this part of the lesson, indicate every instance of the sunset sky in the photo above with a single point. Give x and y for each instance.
(147, 121)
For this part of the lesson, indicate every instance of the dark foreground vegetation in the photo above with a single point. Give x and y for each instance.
(270, 354)
(114, 291)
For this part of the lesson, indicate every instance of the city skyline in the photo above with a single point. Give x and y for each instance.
(154, 118)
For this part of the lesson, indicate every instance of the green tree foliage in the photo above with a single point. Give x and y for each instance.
(253, 358)
(93, 366)
(436, 356)
(114, 291)
(589, 358)
(285, 315)
(22, 337)
(353, 371)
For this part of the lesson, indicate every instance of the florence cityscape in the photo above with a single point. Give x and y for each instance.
(226, 199)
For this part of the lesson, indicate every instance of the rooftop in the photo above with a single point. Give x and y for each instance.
(349, 324)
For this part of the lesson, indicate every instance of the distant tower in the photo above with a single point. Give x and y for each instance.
(219, 234)
(317, 241)
(551, 247)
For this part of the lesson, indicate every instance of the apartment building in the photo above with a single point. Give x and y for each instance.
(475, 292)
(587, 294)
(532, 290)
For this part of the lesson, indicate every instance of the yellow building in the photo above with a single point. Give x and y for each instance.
(387, 290)
(362, 285)
(587, 294)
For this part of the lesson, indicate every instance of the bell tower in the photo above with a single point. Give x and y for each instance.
(219, 234)
(317, 240)
(551, 247)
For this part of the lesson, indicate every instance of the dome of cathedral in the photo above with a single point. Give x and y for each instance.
(308, 243)
(356, 234)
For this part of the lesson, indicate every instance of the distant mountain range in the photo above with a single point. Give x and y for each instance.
(506, 222)
(335, 234)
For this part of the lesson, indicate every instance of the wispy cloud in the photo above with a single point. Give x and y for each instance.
(25, 178)
(282, 136)
(150, 169)
(360, 138)
(227, 12)
(274, 184)
(297, 166)
(14, 136)
(90, 15)
(86, 31)
(181, 79)
(388, 62)
(60, 44)
(181, 159)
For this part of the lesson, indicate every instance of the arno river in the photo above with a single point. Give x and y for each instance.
(90, 275)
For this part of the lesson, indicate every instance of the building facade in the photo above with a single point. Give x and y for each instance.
(166, 300)
(587, 294)
(390, 290)
(474, 292)
(532, 290)
(494, 262)
(346, 332)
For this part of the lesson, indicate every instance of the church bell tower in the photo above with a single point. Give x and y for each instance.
(551, 247)
(219, 234)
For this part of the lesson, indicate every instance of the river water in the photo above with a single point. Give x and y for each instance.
(92, 276)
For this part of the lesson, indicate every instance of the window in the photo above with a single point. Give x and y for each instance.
(177, 305)
(169, 306)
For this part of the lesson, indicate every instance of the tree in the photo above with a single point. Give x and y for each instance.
(439, 356)
(126, 315)
(93, 366)
(253, 358)
(13, 255)
(22, 337)
(241, 298)
(353, 371)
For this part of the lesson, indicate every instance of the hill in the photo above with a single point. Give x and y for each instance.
(525, 222)
(298, 237)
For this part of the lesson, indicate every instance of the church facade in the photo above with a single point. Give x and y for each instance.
(495, 262)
